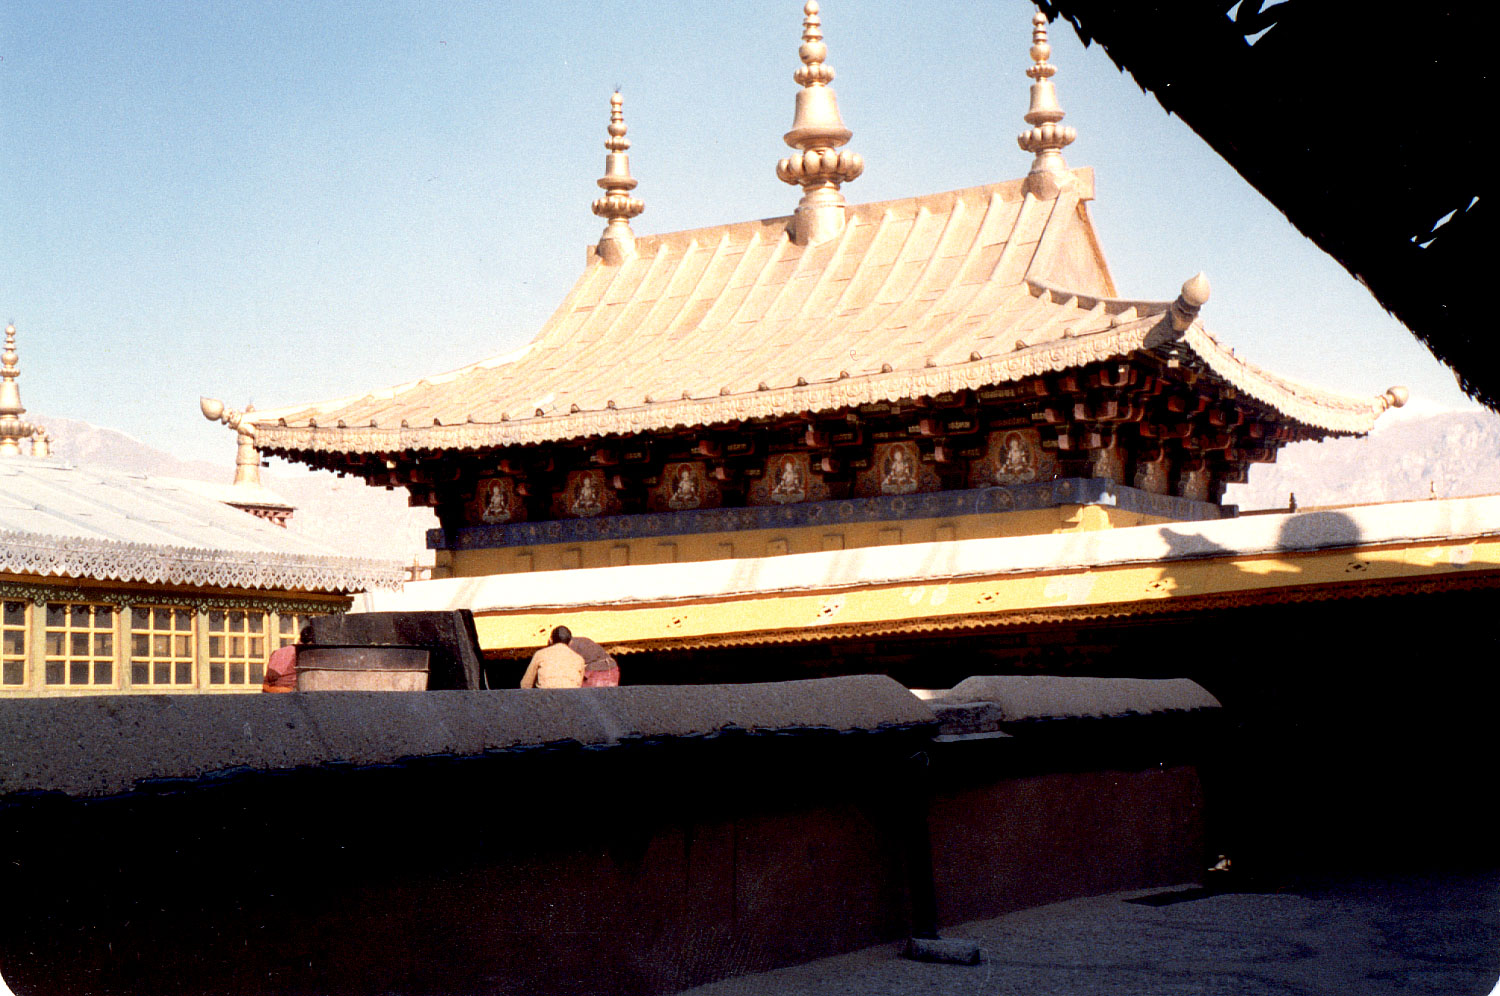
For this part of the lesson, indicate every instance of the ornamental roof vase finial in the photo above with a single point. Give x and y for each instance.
(818, 131)
(617, 206)
(1047, 136)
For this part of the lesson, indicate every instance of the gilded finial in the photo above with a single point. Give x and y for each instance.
(12, 428)
(1046, 138)
(1190, 301)
(247, 455)
(817, 132)
(617, 206)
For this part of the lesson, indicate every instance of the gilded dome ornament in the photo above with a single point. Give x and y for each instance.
(617, 206)
(1047, 136)
(817, 133)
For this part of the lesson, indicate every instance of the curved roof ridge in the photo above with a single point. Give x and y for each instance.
(1112, 305)
(1302, 402)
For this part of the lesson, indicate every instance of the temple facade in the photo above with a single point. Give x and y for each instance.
(118, 583)
(918, 373)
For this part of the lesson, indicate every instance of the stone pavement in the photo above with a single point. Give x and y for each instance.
(1431, 934)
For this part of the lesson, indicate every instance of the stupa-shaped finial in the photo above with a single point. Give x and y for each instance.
(817, 131)
(247, 457)
(617, 206)
(12, 428)
(1194, 296)
(1046, 137)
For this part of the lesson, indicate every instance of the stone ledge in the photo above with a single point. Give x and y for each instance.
(108, 745)
(991, 703)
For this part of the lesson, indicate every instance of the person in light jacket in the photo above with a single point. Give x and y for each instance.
(556, 665)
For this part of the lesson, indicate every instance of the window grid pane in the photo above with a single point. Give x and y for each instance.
(289, 627)
(80, 644)
(236, 650)
(13, 638)
(161, 646)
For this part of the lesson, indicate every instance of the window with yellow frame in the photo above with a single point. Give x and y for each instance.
(14, 625)
(289, 627)
(80, 648)
(161, 646)
(236, 647)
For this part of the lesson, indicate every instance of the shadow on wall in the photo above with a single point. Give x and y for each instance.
(1309, 532)
(1356, 723)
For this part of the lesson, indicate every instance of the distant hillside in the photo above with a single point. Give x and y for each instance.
(341, 512)
(1450, 455)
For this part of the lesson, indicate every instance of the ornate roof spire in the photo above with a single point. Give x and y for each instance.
(247, 457)
(818, 131)
(12, 428)
(617, 206)
(1046, 137)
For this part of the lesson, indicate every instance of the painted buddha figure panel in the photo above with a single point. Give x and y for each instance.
(788, 479)
(585, 496)
(896, 469)
(1013, 456)
(684, 486)
(495, 502)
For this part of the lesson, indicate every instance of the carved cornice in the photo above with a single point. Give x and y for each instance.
(57, 591)
(107, 560)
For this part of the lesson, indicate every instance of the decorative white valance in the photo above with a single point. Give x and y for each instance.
(108, 560)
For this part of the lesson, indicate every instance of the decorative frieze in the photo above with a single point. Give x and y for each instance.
(1136, 422)
(46, 555)
(54, 590)
(877, 508)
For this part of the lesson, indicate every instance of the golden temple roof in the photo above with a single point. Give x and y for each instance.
(835, 306)
(921, 296)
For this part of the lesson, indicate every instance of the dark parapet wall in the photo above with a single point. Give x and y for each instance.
(623, 840)
(631, 840)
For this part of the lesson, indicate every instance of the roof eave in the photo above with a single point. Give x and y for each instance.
(26, 553)
(1308, 406)
(827, 396)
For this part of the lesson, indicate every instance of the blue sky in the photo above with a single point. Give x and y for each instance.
(279, 202)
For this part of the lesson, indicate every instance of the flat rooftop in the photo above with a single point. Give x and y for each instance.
(1435, 934)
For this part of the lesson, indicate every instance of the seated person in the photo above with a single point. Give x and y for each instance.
(599, 668)
(281, 670)
(556, 665)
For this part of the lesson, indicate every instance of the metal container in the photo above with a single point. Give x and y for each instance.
(361, 669)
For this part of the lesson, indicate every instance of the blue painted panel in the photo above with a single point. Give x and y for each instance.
(881, 508)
